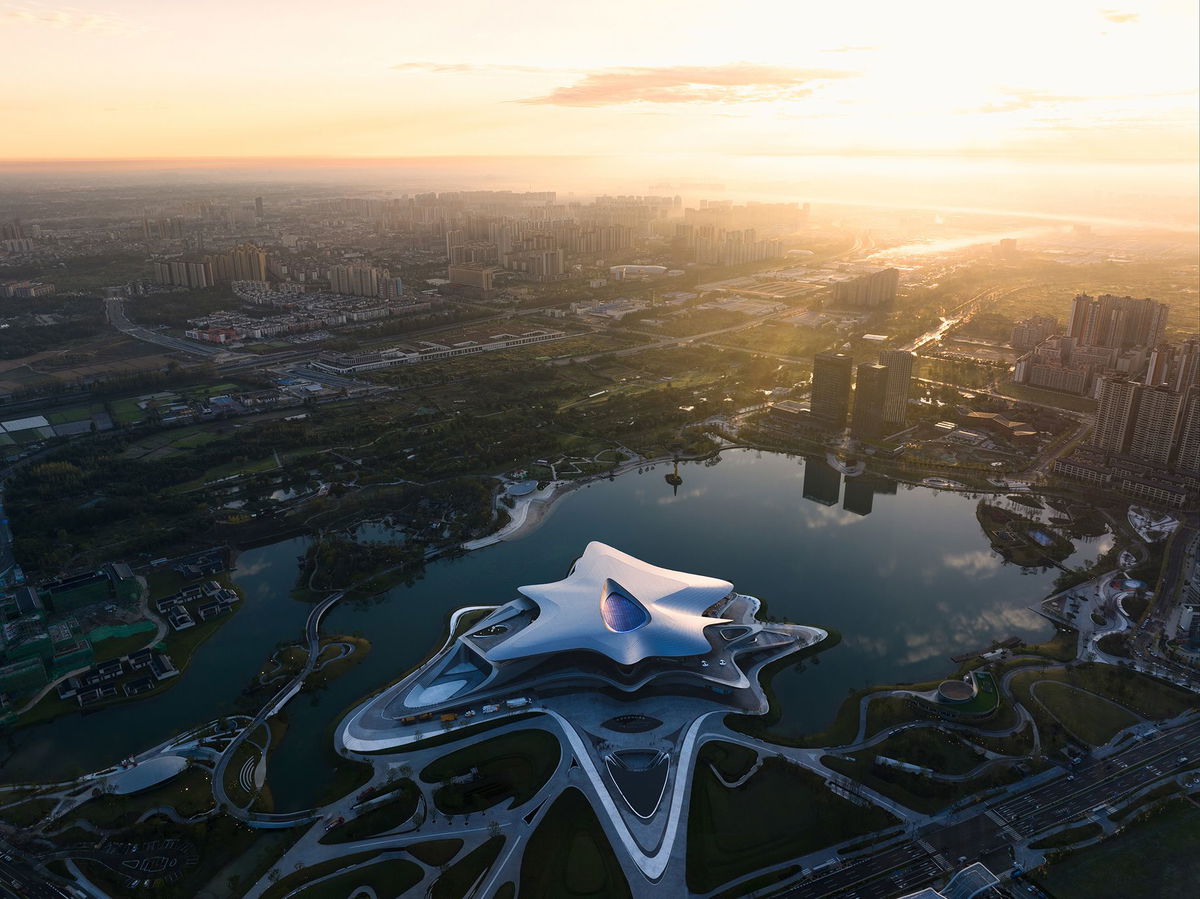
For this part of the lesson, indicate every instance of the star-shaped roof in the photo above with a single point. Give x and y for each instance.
(619, 606)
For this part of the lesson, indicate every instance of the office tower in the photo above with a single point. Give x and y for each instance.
(1120, 322)
(899, 365)
(870, 394)
(1114, 417)
(258, 207)
(1153, 432)
(822, 482)
(832, 376)
(1187, 459)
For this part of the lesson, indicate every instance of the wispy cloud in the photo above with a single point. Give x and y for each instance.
(737, 82)
(1022, 98)
(1119, 18)
(66, 18)
(449, 68)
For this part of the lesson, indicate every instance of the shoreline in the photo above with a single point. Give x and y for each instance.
(528, 513)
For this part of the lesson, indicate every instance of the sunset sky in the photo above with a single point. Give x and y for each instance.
(381, 78)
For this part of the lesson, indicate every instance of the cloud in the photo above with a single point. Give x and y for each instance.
(1119, 18)
(67, 18)
(979, 563)
(737, 82)
(1017, 98)
(443, 68)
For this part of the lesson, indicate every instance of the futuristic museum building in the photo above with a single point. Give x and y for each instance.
(614, 623)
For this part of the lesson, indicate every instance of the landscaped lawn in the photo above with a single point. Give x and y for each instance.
(929, 748)
(568, 855)
(1154, 858)
(1088, 718)
(916, 791)
(782, 812)
(392, 813)
(389, 879)
(731, 759)
(512, 765)
(457, 880)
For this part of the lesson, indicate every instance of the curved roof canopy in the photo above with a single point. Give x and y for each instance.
(619, 606)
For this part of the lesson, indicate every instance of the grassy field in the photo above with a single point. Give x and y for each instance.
(435, 852)
(568, 856)
(1154, 858)
(913, 790)
(732, 760)
(190, 793)
(377, 819)
(1047, 397)
(389, 879)
(457, 880)
(929, 748)
(1068, 837)
(780, 813)
(1088, 718)
(512, 765)
(286, 885)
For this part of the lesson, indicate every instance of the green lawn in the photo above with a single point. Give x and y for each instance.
(458, 879)
(1088, 718)
(435, 852)
(512, 765)
(389, 879)
(392, 813)
(914, 790)
(1047, 397)
(287, 884)
(568, 855)
(1068, 837)
(1154, 858)
(782, 812)
(731, 759)
(929, 748)
(190, 793)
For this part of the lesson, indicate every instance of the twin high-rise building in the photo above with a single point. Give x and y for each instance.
(1119, 322)
(1154, 424)
(880, 397)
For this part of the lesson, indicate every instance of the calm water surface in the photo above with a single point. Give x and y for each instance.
(910, 583)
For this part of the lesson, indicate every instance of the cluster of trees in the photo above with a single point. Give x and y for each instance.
(337, 562)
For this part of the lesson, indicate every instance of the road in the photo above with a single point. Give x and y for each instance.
(114, 308)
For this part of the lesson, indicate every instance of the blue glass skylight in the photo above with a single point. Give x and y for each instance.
(621, 613)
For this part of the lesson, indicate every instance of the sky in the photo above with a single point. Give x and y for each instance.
(1050, 80)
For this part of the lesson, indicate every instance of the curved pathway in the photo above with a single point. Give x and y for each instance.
(312, 633)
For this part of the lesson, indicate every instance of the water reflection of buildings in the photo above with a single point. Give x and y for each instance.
(860, 493)
(823, 484)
